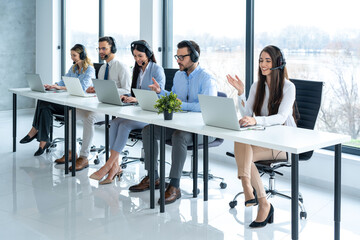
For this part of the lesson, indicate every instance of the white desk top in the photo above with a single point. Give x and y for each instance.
(283, 138)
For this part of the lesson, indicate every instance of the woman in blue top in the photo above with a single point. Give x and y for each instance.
(144, 72)
(82, 69)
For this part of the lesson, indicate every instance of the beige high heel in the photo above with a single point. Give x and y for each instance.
(110, 180)
(95, 176)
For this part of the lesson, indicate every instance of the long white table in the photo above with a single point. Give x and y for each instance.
(283, 138)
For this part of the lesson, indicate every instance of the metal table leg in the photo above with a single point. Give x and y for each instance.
(107, 126)
(66, 136)
(206, 166)
(162, 169)
(73, 140)
(337, 193)
(152, 168)
(14, 120)
(195, 164)
(294, 196)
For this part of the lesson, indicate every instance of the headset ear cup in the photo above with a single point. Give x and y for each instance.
(113, 48)
(148, 53)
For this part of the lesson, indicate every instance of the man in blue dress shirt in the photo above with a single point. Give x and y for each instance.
(189, 81)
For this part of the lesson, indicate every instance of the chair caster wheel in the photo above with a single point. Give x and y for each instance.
(197, 190)
(223, 185)
(303, 215)
(96, 161)
(233, 204)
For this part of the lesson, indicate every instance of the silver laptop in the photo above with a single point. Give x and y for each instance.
(219, 112)
(73, 86)
(146, 98)
(37, 85)
(107, 92)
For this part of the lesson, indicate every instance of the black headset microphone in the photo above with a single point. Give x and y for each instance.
(279, 67)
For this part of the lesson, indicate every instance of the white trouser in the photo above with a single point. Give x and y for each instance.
(88, 118)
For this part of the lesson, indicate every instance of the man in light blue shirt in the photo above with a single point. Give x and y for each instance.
(189, 81)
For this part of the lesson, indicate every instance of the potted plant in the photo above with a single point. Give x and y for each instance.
(168, 104)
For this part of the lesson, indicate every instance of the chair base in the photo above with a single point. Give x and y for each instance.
(190, 174)
(271, 192)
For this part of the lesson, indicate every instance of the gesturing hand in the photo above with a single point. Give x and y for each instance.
(236, 83)
(155, 86)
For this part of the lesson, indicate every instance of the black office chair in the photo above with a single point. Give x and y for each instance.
(308, 101)
(97, 67)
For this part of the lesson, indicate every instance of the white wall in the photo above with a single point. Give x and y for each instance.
(47, 40)
(17, 49)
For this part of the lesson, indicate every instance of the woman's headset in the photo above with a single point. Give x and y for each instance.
(82, 49)
(280, 60)
(148, 51)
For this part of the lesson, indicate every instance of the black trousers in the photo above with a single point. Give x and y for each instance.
(43, 118)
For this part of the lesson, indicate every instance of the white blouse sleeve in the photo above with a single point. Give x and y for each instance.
(246, 106)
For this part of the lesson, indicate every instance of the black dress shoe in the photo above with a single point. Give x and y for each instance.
(42, 150)
(269, 219)
(27, 139)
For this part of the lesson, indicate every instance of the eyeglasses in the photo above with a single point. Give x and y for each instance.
(180, 57)
(103, 49)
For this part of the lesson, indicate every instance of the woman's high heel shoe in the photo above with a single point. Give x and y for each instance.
(97, 176)
(269, 219)
(252, 202)
(110, 180)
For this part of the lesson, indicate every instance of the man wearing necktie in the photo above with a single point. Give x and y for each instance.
(112, 70)
(106, 77)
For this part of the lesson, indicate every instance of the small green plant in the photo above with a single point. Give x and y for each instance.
(169, 103)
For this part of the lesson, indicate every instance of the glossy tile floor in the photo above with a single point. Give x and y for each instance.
(37, 201)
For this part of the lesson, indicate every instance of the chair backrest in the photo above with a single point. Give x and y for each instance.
(169, 74)
(97, 68)
(308, 101)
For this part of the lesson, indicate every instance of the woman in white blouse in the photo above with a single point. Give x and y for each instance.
(270, 102)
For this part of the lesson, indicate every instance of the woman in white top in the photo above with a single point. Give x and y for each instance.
(270, 102)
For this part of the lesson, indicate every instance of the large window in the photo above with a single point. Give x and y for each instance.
(82, 26)
(122, 21)
(320, 41)
(219, 29)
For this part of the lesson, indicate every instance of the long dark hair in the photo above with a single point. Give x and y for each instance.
(137, 67)
(276, 86)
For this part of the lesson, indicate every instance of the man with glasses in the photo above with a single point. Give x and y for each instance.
(190, 81)
(112, 70)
